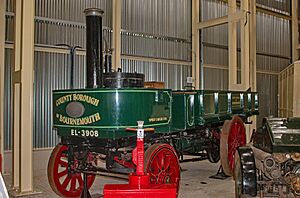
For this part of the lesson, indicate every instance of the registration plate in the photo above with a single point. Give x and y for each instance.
(84, 133)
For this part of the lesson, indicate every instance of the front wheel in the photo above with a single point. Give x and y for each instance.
(63, 182)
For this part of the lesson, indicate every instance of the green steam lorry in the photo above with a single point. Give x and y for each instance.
(93, 123)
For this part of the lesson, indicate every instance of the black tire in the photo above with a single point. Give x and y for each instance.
(245, 173)
(213, 152)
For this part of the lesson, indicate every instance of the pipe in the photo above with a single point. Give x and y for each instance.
(107, 63)
(94, 54)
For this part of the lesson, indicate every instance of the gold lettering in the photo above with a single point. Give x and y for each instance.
(63, 99)
(79, 121)
(97, 117)
(158, 119)
(86, 99)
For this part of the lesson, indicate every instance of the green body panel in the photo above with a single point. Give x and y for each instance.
(111, 111)
(108, 112)
(247, 103)
(209, 106)
(224, 106)
(183, 110)
(254, 104)
(237, 103)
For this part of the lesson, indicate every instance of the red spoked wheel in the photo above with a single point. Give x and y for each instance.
(233, 136)
(62, 183)
(161, 162)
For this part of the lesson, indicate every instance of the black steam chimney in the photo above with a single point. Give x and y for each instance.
(94, 56)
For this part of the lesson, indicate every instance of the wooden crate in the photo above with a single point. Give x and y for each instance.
(289, 91)
(154, 84)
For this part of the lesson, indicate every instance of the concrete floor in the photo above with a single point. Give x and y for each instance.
(195, 181)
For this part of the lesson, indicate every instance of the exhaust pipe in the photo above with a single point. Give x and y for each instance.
(94, 54)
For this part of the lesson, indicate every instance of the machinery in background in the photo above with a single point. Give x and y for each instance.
(271, 164)
(92, 124)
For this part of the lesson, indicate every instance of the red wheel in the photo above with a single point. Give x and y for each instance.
(161, 162)
(233, 136)
(62, 183)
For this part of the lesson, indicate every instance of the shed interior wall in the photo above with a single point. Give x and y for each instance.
(152, 29)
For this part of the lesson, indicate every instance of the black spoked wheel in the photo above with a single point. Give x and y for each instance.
(213, 152)
(245, 173)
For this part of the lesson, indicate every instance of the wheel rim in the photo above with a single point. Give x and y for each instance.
(161, 162)
(232, 137)
(62, 183)
(238, 176)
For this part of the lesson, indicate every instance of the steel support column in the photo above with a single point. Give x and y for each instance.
(2, 64)
(195, 44)
(232, 47)
(253, 70)
(295, 34)
(253, 45)
(116, 35)
(16, 94)
(23, 78)
(245, 46)
(246, 73)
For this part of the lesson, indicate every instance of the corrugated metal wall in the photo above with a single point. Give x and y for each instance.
(164, 28)
(62, 22)
(273, 50)
(57, 22)
(150, 28)
(174, 76)
(281, 6)
(52, 72)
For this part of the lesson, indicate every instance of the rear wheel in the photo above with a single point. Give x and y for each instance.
(161, 162)
(233, 136)
(63, 182)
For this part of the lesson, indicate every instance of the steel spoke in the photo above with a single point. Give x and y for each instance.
(167, 162)
(63, 163)
(80, 180)
(73, 184)
(66, 182)
(152, 174)
(158, 163)
(64, 155)
(62, 173)
(162, 161)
